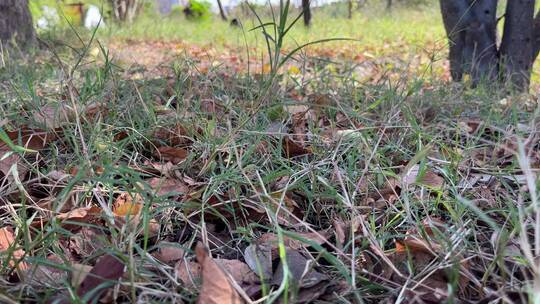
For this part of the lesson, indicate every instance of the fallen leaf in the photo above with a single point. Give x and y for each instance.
(189, 273)
(427, 178)
(421, 252)
(127, 209)
(299, 240)
(168, 186)
(53, 116)
(216, 287)
(46, 275)
(79, 273)
(172, 154)
(293, 149)
(106, 273)
(169, 253)
(8, 246)
(259, 258)
(300, 269)
(70, 219)
(239, 271)
(127, 205)
(175, 136)
(339, 230)
(87, 242)
(30, 139)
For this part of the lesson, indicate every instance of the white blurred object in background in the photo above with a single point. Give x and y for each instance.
(93, 18)
(49, 18)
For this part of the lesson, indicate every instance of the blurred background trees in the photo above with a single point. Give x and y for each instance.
(474, 50)
(16, 23)
(125, 10)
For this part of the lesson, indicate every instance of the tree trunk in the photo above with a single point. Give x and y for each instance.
(516, 49)
(471, 27)
(16, 23)
(125, 10)
(360, 4)
(306, 10)
(221, 11)
(350, 7)
(389, 4)
(536, 34)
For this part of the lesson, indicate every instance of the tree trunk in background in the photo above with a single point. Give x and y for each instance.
(306, 10)
(517, 45)
(350, 7)
(536, 36)
(389, 4)
(125, 10)
(221, 11)
(471, 27)
(16, 23)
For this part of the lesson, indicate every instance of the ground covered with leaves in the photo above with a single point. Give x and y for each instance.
(312, 184)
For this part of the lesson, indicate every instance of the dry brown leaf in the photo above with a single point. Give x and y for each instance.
(188, 272)
(470, 126)
(172, 154)
(168, 186)
(301, 271)
(87, 242)
(7, 246)
(53, 116)
(109, 269)
(216, 287)
(293, 149)
(427, 178)
(421, 252)
(339, 230)
(239, 271)
(79, 273)
(46, 275)
(169, 253)
(319, 238)
(81, 215)
(259, 259)
(127, 210)
(127, 205)
(176, 136)
(27, 138)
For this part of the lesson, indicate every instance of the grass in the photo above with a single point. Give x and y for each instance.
(371, 26)
(360, 139)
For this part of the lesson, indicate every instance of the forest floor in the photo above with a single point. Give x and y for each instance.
(167, 171)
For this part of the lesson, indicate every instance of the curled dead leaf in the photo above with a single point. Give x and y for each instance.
(293, 149)
(216, 287)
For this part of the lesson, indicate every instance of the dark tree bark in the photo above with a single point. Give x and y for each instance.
(125, 10)
(389, 4)
(16, 23)
(471, 30)
(350, 8)
(471, 27)
(221, 11)
(306, 10)
(517, 45)
(536, 34)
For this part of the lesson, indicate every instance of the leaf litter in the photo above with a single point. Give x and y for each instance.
(358, 214)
